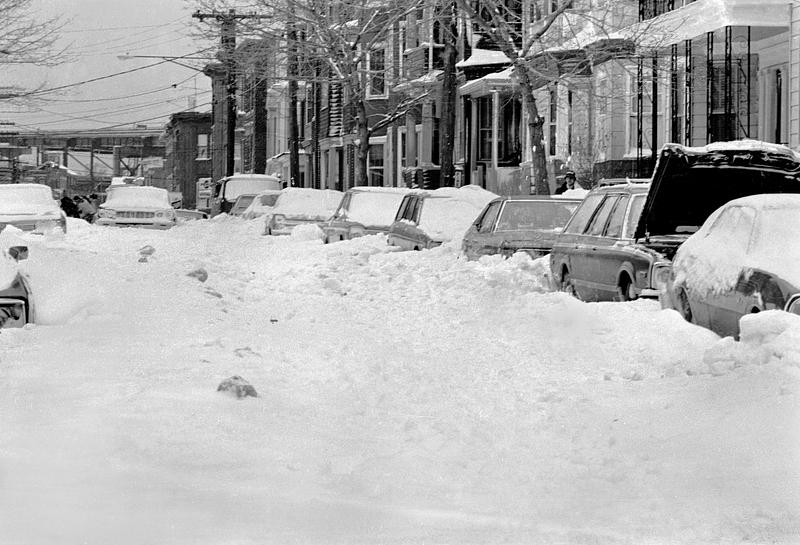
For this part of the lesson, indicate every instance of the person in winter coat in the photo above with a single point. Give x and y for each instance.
(567, 183)
(69, 207)
(86, 208)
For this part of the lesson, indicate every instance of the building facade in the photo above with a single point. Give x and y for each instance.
(188, 138)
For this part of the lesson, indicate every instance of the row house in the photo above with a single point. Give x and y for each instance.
(188, 157)
(616, 79)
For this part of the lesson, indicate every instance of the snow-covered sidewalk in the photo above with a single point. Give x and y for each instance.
(403, 398)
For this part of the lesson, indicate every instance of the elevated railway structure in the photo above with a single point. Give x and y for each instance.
(97, 152)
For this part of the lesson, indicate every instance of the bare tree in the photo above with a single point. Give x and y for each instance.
(533, 42)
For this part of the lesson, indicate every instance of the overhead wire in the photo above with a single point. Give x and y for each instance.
(106, 99)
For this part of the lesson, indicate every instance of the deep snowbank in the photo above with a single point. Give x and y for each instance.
(405, 397)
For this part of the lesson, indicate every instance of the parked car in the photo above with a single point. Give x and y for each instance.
(241, 204)
(619, 242)
(16, 304)
(31, 207)
(364, 211)
(744, 259)
(522, 223)
(300, 205)
(262, 204)
(227, 189)
(136, 206)
(426, 219)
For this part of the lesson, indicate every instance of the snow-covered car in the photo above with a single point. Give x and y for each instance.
(241, 204)
(136, 206)
(298, 206)
(744, 259)
(619, 243)
(262, 204)
(30, 207)
(523, 223)
(364, 211)
(16, 306)
(426, 219)
(227, 189)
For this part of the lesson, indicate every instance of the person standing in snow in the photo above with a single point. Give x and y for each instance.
(86, 208)
(567, 183)
(69, 207)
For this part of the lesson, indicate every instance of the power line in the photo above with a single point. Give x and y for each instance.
(79, 100)
(67, 86)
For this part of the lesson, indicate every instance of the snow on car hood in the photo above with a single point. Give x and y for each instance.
(448, 212)
(26, 199)
(374, 207)
(137, 197)
(690, 183)
(713, 265)
(306, 203)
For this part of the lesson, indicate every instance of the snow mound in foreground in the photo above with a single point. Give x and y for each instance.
(307, 231)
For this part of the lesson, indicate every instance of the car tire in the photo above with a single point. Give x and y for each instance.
(684, 307)
(567, 285)
(625, 289)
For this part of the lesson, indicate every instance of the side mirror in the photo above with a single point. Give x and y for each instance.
(18, 253)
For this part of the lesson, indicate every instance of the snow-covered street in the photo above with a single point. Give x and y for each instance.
(403, 398)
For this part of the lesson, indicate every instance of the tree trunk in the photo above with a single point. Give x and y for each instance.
(447, 124)
(362, 151)
(294, 130)
(541, 186)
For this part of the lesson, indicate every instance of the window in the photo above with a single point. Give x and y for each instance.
(648, 138)
(617, 219)
(376, 164)
(202, 146)
(484, 127)
(582, 215)
(486, 222)
(633, 217)
(376, 70)
(734, 227)
(598, 223)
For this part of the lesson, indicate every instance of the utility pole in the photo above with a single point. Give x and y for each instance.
(227, 56)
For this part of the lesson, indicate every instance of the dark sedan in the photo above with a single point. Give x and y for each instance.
(519, 223)
(744, 259)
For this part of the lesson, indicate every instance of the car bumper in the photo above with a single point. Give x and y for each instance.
(112, 223)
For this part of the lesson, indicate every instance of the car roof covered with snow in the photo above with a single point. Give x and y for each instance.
(135, 196)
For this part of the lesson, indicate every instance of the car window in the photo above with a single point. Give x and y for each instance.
(617, 219)
(582, 215)
(637, 204)
(401, 211)
(598, 222)
(734, 227)
(489, 216)
(410, 211)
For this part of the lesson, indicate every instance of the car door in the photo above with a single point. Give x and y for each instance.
(564, 256)
(732, 230)
(588, 262)
(480, 239)
(610, 251)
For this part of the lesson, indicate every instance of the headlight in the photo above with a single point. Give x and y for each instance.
(278, 220)
(659, 276)
(107, 213)
(793, 305)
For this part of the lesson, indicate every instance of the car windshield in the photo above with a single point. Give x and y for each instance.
(539, 215)
(243, 201)
(447, 218)
(137, 196)
(16, 195)
(268, 200)
(307, 203)
(374, 208)
(243, 186)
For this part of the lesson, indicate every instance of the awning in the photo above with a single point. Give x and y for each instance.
(488, 83)
(482, 57)
(698, 18)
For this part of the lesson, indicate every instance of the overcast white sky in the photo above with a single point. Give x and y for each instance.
(98, 32)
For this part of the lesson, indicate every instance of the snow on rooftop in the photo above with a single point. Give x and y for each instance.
(481, 57)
